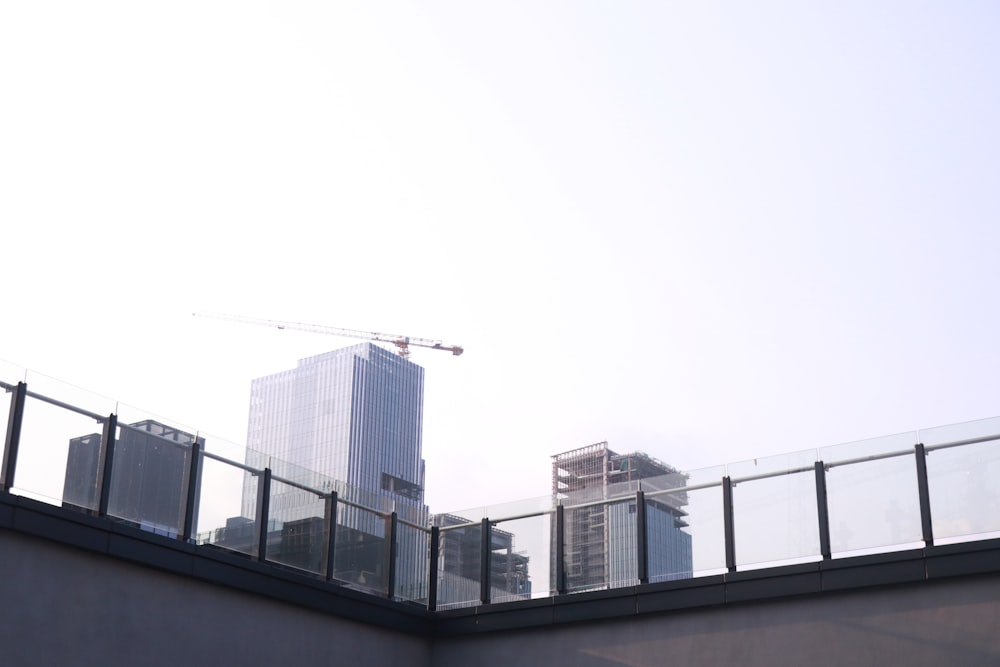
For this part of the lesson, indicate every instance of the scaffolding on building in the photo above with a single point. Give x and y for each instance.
(600, 537)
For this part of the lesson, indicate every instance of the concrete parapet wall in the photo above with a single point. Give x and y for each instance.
(65, 606)
(949, 622)
(81, 590)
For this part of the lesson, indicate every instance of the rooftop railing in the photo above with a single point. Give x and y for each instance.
(71, 448)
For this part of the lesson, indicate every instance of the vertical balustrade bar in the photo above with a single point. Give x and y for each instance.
(484, 562)
(193, 489)
(432, 575)
(391, 542)
(13, 436)
(822, 511)
(728, 526)
(641, 547)
(560, 550)
(263, 509)
(331, 535)
(925, 494)
(108, 463)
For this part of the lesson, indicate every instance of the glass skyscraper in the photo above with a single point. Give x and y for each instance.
(354, 415)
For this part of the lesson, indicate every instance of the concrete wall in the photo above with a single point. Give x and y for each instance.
(65, 606)
(950, 622)
(61, 605)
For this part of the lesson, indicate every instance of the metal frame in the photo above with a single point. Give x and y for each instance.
(485, 560)
(432, 575)
(194, 485)
(727, 523)
(331, 537)
(641, 545)
(107, 458)
(822, 511)
(263, 510)
(920, 452)
(12, 439)
(111, 425)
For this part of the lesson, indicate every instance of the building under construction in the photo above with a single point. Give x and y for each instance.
(600, 539)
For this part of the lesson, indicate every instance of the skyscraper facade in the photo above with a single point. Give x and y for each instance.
(601, 538)
(354, 415)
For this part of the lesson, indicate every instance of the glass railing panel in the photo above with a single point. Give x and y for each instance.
(10, 375)
(80, 399)
(6, 397)
(238, 455)
(775, 520)
(299, 528)
(965, 496)
(296, 474)
(868, 449)
(942, 435)
(872, 495)
(149, 478)
(220, 519)
(684, 528)
(412, 563)
(60, 448)
(599, 545)
(371, 500)
(463, 515)
(414, 513)
(360, 556)
(231, 451)
(459, 564)
(521, 565)
(622, 542)
(800, 461)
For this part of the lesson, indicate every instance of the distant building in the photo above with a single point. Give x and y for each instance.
(600, 540)
(354, 415)
(149, 478)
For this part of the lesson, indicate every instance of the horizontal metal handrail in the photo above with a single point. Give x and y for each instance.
(959, 443)
(241, 466)
(777, 473)
(67, 406)
(871, 457)
(682, 489)
(298, 485)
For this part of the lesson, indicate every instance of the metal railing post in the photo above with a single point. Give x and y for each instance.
(925, 495)
(13, 436)
(193, 491)
(728, 526)
(391, 542)
(560, 550)
(107, 458)
(822, 511)
(432, 575)
(641, 544)
(263, 510)
(331, 536)
(484, 562)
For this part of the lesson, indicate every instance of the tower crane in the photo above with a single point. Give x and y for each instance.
(403, 343)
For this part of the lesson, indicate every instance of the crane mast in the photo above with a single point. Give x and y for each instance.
(402, 343)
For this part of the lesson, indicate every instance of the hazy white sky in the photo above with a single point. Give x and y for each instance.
(710, 231)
